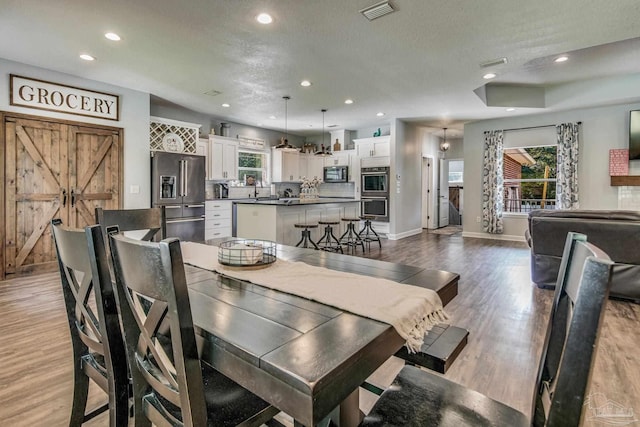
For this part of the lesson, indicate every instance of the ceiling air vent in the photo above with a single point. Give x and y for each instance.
(213, 92)
(493, 63)
(377, 10)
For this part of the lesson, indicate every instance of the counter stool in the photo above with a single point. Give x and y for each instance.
(350, 237)
(306, 235)
(329, 242)
(368, 234)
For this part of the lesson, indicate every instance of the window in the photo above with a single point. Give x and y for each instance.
(253, 163)
(529, 178)
(456, 168)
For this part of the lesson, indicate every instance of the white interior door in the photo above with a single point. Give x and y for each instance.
(443, 193)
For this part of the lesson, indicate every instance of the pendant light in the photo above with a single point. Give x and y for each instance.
(284, 144)
(444, 146)
(323, 151)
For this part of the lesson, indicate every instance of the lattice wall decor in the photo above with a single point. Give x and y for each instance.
(159, 127)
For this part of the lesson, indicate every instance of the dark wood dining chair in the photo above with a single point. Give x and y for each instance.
(152, 219)
(171, 386)
(420, 398)
(98, 347)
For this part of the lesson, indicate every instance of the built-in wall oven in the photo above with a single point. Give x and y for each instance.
(375, 193)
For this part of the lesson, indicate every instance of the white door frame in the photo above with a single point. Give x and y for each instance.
(427, 192)
(442, 195)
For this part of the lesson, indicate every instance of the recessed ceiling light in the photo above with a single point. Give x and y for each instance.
(511, 109)
(489, 76)
(113, 36)
(225, 105)
(87, 57)
(264, 18)
(561, 58)
(272, 117)
(305, 83)
(348, 101)
(380, 114)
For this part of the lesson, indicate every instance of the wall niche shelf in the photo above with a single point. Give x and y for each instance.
(625, 180)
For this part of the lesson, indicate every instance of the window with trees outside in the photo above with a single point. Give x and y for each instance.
(253, 164)
(529, 178)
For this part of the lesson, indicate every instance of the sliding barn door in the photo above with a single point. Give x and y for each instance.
(94, 179)
(36, 174)
(53, 170)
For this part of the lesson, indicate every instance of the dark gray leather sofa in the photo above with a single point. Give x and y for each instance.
(615, 232)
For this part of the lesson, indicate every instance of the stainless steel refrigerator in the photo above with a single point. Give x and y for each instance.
(177, 183)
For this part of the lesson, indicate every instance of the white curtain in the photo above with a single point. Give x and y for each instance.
(567, 167)
(492, 182)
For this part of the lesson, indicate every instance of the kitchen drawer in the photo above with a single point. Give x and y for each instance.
(218, 215)
(211, 206)
(215, 233)
(211, 223)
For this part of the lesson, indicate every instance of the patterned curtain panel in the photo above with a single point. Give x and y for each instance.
(492, 183)
(567, 169)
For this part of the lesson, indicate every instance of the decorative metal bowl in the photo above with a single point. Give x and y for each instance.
(247, 253)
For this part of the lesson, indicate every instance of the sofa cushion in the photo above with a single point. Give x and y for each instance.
(618, 238)
(615, 232)
(586, 214)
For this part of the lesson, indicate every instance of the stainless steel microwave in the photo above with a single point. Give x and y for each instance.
(336, 174)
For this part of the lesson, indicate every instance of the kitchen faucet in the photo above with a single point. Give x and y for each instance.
(255, 189)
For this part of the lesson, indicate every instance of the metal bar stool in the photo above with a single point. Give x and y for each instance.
(350, 237)
(306, 235)
(329, 242)
(370, 234)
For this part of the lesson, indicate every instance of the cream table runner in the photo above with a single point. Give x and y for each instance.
(411, 310)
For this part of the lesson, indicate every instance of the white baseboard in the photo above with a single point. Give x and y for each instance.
(509, 237)
(404, 234)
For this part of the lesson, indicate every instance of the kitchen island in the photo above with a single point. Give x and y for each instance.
(274, 219)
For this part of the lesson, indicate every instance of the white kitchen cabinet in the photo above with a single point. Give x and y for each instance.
(311, 166)
(373, 147)
(285, 166)
(202, 149)
(217, 219)
(339, 158)
(223, 158)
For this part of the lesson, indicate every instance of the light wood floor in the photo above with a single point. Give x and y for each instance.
(504, 313)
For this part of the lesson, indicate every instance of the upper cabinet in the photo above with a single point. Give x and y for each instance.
(285, 166)
(373, 147)
(311, 166)
(202, 149)
(339, 158)
(223, 158)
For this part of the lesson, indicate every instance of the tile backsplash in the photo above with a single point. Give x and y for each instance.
(346, 189)
(325, 190)
(629, 198)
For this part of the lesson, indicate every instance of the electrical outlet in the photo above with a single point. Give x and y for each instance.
(477, 219)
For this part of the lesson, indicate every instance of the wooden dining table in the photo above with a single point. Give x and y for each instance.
(303, 357)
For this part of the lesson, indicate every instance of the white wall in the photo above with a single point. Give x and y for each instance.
(406, 162)
(134, 119)
(456, 148)
(602, 129)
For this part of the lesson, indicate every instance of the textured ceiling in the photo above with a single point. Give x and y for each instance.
(420, 63)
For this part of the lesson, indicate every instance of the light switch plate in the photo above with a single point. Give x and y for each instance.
(134, 189)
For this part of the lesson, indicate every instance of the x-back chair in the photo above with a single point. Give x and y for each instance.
(171, 386)
(98, 347)
(419, 398)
